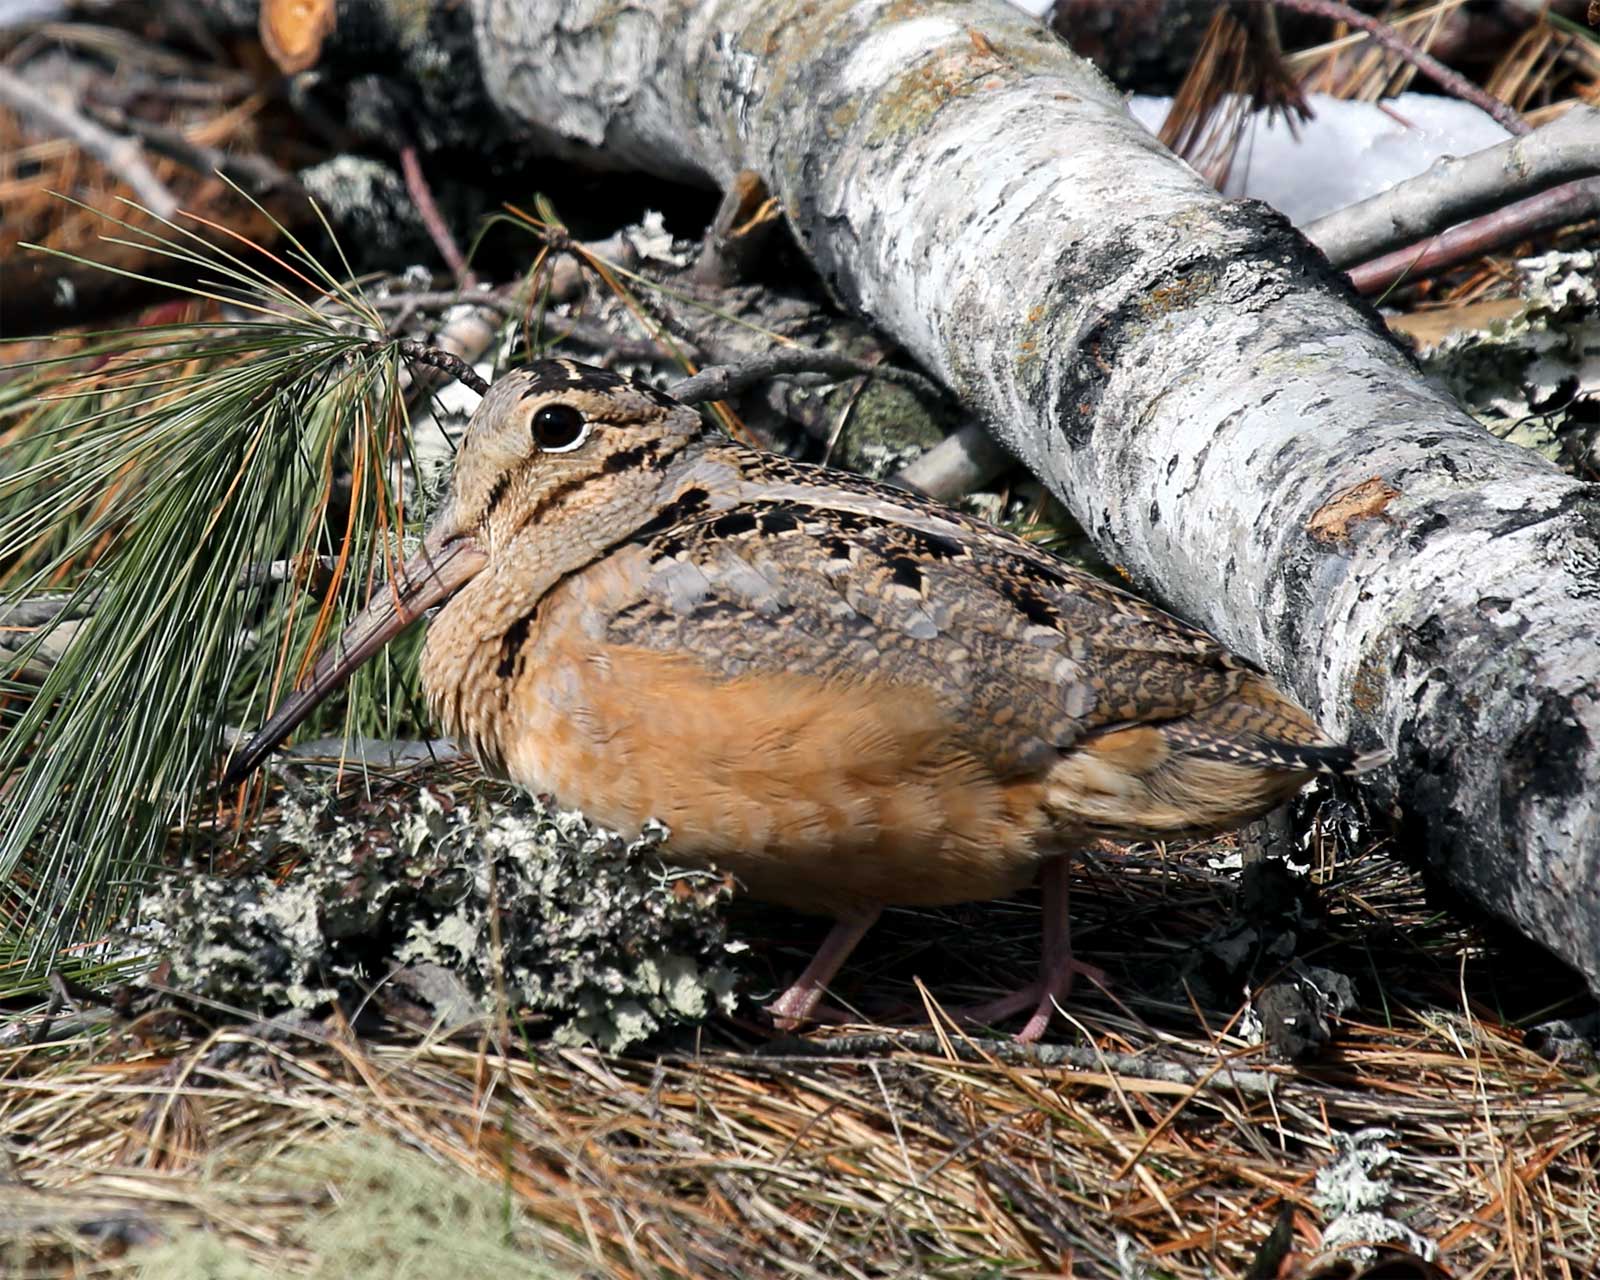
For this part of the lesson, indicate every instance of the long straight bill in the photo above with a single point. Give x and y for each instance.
(441, 568)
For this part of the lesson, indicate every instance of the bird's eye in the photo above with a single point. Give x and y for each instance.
(559, 428)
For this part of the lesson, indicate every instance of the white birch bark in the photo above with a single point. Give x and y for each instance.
(1183, 370)
(1223, 415)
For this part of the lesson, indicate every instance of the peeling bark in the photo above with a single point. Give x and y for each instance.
(1185, 371)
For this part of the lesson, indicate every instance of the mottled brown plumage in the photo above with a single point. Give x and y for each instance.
(846, 695)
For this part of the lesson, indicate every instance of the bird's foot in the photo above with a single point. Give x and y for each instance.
(818, 1012)
(1042, 997)
(802, 1002)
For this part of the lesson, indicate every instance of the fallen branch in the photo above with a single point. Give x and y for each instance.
(1455, 188)
(1220, 1075)
(122, 156)
(721, 381)
(1184, 371)
(1559, 207)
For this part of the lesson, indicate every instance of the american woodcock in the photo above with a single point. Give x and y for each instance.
(846, 695)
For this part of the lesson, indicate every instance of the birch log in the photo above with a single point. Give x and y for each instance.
(1226, 418)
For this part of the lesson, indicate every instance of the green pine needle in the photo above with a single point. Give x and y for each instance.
(151, 491)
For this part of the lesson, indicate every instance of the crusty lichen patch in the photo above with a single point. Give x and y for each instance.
(462, 910)
(1534, 378)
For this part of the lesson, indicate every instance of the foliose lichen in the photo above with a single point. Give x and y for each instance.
(1534, 379)
(467, 908)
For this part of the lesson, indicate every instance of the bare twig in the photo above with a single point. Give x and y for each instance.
(443, 299)
(1457, 188)
(1559, 207)
(1451, 82)
(455, 366)
(366, 753)
(122, 155)
(1136, 1066)
(617, 345)
(738, 234)
(37, 610)
(432, 219)
(721, 381)
(255, 170)
(554, 328)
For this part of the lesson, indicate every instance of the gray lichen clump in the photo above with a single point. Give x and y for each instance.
(1534, 378)
(453, 911)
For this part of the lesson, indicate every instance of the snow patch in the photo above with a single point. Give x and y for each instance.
(1347, 152)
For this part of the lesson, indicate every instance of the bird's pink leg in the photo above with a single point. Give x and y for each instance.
(1057, 965)
(795, 1006)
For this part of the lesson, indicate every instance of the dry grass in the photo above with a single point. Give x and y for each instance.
(1164, 1140)
(215, 110)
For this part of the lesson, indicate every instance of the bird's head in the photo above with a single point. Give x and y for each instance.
(557, 439)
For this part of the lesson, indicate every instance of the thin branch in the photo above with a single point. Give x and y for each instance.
(1135, 1066)
(1558, 207)
(122, 156)
(455, 366)
(37, 611)
(1452, 82)
(554, 328)
(256, 171)
(444, 299)
(721, 381)
(1457, 188)
(432, 219)
(599, 338)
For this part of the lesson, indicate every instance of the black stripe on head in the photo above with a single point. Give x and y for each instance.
(547, 376)
(655, 394)
(496, 493)
(627, 459)
(552, 497)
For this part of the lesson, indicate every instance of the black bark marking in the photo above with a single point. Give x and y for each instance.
(1253, 231)
(1423, 529)
(1543, 762)
(1572, 500)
